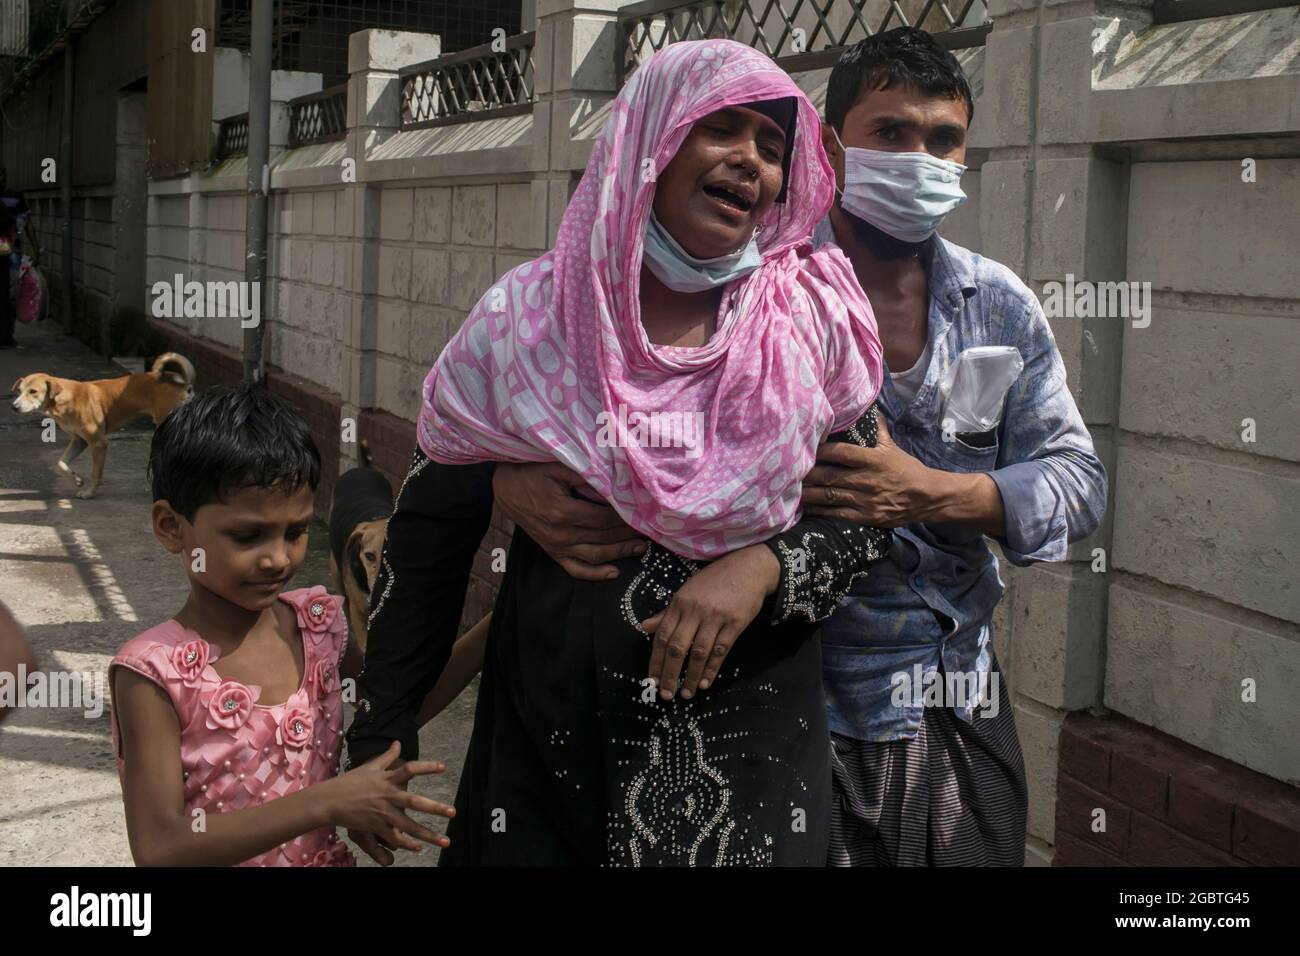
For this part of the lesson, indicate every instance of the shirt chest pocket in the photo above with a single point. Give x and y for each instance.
(968, 451)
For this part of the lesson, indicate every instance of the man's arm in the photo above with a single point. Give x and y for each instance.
(812, 563)
(1048, 488)
(886, 487)
(439, 520)
(581, 536)
(1052, 484)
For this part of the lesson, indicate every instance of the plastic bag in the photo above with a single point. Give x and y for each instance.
(32, 293)
(973, 390)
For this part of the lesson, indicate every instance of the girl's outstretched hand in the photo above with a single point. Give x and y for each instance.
(706, 616)
(371, 802)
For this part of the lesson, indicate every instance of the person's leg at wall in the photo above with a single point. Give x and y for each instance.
(16, 657)
(7, 311)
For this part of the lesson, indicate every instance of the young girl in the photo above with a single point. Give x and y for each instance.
(227, 719)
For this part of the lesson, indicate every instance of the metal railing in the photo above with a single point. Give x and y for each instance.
(232, 137)
(798, 34)
(319, 117)
(489, 80)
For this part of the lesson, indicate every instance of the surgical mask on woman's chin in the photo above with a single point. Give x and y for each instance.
(906, 195)
(682, 272)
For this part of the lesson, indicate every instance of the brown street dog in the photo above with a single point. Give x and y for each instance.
(359, 513)
(90, 410)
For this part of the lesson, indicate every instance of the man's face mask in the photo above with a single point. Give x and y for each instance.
(905, 195)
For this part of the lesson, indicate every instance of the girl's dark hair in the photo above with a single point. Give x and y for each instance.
(228, 438)
(902, 56)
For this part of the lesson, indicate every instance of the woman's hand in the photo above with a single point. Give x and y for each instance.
(371, 801)
(580, 536)
(706, 616)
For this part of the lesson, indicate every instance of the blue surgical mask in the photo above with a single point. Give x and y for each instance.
(906, 195)
(679, 270)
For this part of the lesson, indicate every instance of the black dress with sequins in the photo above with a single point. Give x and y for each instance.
(574, 759)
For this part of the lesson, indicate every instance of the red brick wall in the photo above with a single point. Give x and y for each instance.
(391, 440)
(216, 364)
(1167, 803)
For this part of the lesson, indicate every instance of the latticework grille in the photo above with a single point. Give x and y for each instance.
(319, 117)
(496, 79)
(785, 29)
(232, 138)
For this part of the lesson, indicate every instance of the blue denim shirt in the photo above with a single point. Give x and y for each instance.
(930, 601)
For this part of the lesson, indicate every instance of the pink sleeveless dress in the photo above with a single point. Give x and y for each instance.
(236, 753)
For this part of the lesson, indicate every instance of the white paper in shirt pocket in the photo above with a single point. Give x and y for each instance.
(972, 390)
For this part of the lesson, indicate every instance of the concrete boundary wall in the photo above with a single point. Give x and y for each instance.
(1103, 148)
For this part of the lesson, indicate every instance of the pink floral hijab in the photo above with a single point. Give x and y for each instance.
(701, 449)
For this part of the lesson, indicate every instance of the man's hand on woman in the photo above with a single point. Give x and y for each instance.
(885, 487)
(581, 536)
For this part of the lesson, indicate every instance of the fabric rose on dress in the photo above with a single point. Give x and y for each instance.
(318, 610)
(296, 725)
(190, 658)
(231, 704)
(326, 676)
(336, 854)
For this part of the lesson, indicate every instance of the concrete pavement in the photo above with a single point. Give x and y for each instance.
(83, 577)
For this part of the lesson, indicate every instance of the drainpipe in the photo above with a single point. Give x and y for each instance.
(259, 183)
(65, 169)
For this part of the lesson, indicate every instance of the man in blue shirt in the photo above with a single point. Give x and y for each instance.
(927, 767)
(934, 773)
